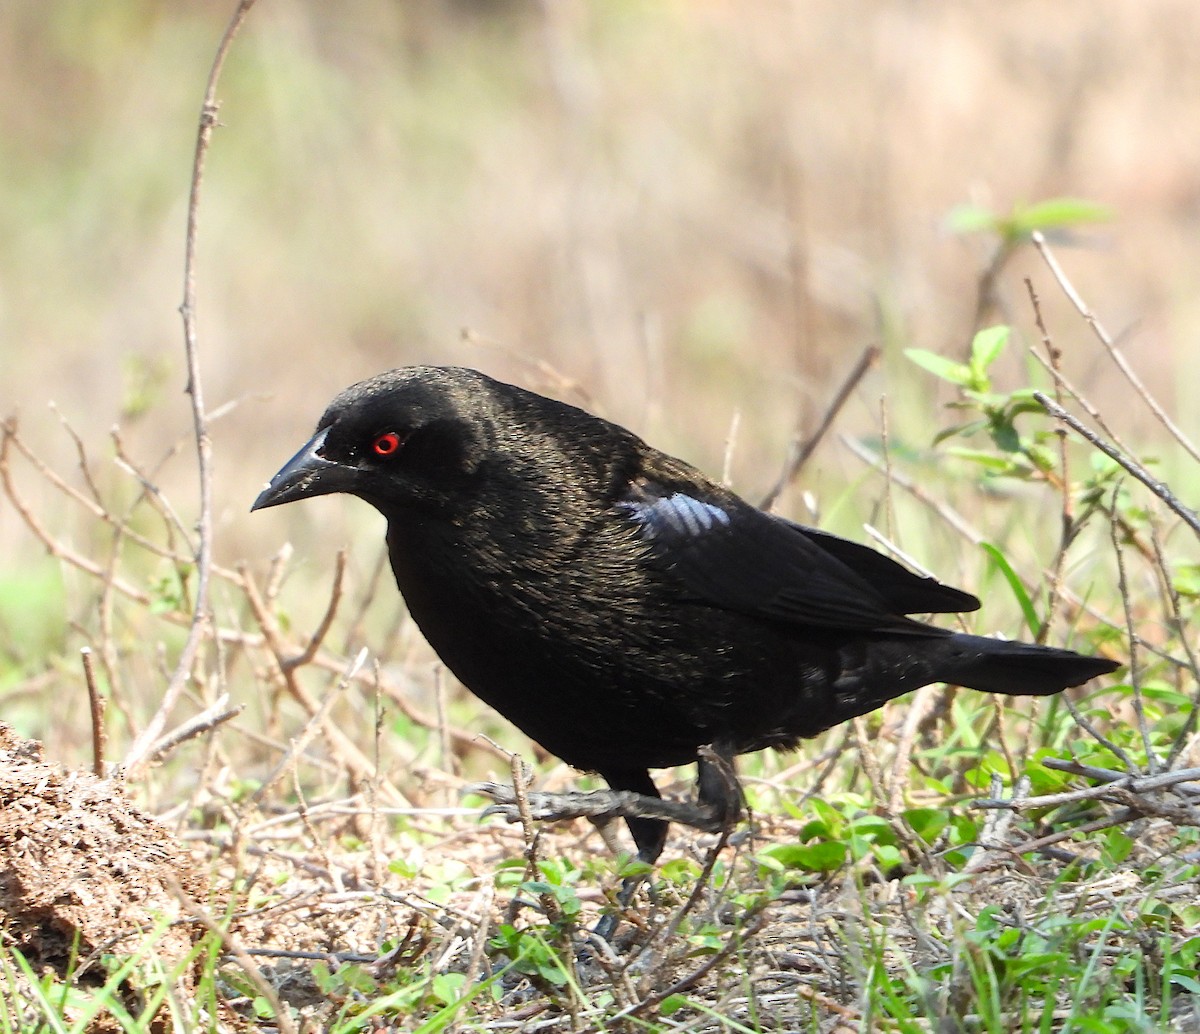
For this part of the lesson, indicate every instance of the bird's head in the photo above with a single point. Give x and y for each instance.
(407, 439)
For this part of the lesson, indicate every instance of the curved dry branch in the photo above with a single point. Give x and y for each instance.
(200, 613)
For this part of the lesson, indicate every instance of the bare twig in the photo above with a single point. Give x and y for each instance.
(732, 944)
(318, 637)
(885, 451)
(731, 438)
(1193, 665)
(1117, 818)
(281, 1013)
(947, 513)
(997, 824)
(96, 706)
(1118, 788)
(1135, 679)
(318, 721)
(867, 760)
(1085, 724)
(800, 452)
(1067, 528)
(1039, 242)
(449, 761)
(218, 713)
(1132, 466)
(1142, 784)
(914, 714)
(349, 753)
(8, 435)
(521, 774)
(725, 769)
(200, 613)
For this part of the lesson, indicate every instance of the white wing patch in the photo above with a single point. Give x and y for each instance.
(677, 514)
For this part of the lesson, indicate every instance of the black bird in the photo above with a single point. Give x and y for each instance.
(621, 608)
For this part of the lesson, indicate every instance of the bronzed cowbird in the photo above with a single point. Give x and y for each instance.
(621, 608)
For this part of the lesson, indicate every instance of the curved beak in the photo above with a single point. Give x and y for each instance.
(306, 474)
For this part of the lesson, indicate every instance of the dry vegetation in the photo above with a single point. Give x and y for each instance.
(693, 217)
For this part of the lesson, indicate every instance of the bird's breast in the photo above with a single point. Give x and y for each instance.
(581, 652)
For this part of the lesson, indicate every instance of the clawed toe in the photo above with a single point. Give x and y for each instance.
(598, 806)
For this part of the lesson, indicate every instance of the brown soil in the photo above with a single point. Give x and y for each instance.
(82, 872)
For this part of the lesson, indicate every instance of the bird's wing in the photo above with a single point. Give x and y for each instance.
(905, 592)
(731, 555)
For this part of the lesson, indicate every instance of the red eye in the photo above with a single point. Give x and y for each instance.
(388, 443)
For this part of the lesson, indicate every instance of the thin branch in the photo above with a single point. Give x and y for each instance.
(316, 722)
(1135, 672)
(1142, 784)
(96, 707)
(1114, 748)
(200, 615)
(1039, 242)
(1118, 818)
(281, 1012)
(318, 637)
(341, 744)
(216, 714)
(1067, 528)
(8, 433)
(1062, 384)
(1132, 466)
(947, 513)
(1193, 665)
(802, 451)
(734, 943)
(531, 835)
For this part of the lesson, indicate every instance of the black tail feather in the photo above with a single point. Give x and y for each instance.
(1016, 669)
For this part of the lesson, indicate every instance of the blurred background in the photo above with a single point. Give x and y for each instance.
(673, 213)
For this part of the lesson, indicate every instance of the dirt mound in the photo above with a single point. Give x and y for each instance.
(82, 871)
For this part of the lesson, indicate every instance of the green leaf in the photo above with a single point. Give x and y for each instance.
(1058, 212)
(888, 857)
(927, 823)
(672, 1004)
(1117, 847)
(940, 366)
(1189, 984)
(874, 826)
(1187, 580)
(1005, 436)
(986, 922)
(403, 867)
(1014, 583)
(963, 430)
(679, 871)
(824, 856)
(986, 347)
(634, 866)
(834, 821)
(447, 987)
(1000, 464)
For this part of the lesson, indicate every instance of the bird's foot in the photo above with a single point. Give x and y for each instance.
(597, 805)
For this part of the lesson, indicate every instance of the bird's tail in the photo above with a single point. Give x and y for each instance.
(1017, 669)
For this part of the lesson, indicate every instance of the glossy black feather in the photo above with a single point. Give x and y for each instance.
(619, 606)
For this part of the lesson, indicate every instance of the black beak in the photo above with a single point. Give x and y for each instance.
(306, 474)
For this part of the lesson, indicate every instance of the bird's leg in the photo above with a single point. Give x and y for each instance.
(649, 834)
(718, 788)
(633, 797)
